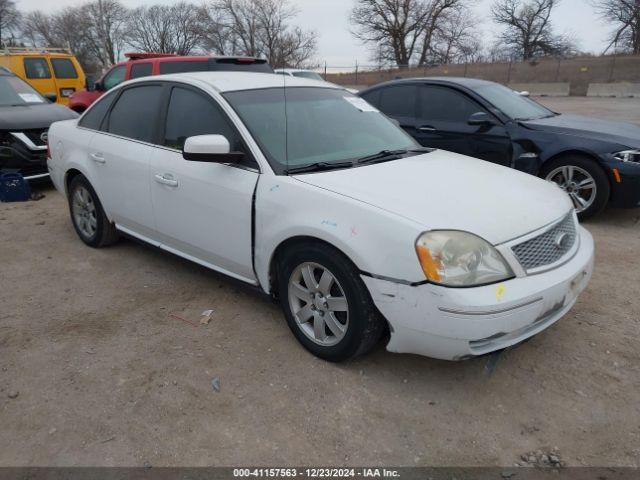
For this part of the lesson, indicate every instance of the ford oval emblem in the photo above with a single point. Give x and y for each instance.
(562, 240)
(44, 136)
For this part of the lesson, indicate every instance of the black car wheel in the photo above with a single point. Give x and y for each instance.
(89, 220)
(326, 304)
(584, 181)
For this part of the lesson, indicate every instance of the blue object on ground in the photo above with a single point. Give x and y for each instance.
(14, 188)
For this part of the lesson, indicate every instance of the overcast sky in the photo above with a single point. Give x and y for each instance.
(338, 47)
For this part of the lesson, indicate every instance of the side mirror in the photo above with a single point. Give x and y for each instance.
(210, 148)
(52, 97)
(98, 86)
(481, 119)
(524, 93)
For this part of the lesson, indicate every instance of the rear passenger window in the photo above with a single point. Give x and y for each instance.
(399, 101)
(178, 67)
(36, 68)
(135, 112)
(191, 113)
(372, 97)
(63, 68)
(446, 105)
(141, 70)
(93, 118)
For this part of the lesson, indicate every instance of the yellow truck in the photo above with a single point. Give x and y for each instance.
(54, 72)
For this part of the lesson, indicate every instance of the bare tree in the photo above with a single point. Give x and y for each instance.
(65, 29)
(455, 39)
(9, 19)
(165, 28)
(625, 16)
(528, 31)
(105, 33)
(402, 30)
(393, 27)
(260, 28)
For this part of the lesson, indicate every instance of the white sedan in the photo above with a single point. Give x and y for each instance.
(316, 198)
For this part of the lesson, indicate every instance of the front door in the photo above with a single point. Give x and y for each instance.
(441, 122)
(203, 211)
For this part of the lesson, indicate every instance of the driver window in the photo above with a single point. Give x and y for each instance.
(114, 77)
(446, 105)
(190, 114)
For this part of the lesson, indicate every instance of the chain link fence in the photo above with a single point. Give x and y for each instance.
(577, 72)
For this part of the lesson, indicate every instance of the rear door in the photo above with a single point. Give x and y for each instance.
(203, 211)
(68, 78)
(442, 122)
(120, 153)
(37, 73)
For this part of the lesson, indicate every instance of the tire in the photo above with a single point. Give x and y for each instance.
(580, 170)
(87, 215)
(362, 325)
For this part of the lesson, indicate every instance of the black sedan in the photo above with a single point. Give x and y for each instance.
(25, 117)
(596, 162)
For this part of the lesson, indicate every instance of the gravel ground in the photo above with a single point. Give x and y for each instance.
(96, 368)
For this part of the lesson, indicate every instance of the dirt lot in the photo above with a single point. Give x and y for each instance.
(104, 375)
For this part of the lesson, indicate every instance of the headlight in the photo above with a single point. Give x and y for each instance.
(628, 156)
(460, 259)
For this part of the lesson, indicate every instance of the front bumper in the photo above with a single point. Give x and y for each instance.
(19, 153)
(459, 323)
(625, 190)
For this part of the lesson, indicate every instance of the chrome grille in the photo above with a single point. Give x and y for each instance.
(549, 247)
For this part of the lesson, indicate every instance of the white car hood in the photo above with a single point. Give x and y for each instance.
(444, 190)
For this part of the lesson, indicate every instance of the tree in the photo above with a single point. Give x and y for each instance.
(455, 39)
(165, 28)
(260, 28)
(401, 30)
(9, 19)
(625, 16)
(528, 31)
(105, 34)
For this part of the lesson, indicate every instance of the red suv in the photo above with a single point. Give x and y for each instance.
(146, 64)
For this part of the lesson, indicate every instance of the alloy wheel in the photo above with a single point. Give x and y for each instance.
(578, 183)
(84, 212)
(318, 304)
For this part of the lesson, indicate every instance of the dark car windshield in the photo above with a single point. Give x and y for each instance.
(316, 125)
(512, 103)
(16, 92)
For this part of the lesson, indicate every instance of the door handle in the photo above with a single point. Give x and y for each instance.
(427, 128)
(97, 157)
(166, 179)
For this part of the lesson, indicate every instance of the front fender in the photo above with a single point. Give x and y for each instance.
(376, 241)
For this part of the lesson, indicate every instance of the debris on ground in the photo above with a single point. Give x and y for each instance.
(13, 394)
(541, 459)
(205, 317)
(215, 383)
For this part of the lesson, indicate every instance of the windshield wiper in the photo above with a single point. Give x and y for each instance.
(318, 166)
(387, 155)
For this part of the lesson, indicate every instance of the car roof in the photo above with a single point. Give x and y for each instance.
(461, 81)
(235, 81)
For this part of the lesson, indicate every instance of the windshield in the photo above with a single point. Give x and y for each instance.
(308, 74)
(512, 103)
(321, 125)
(16, 92)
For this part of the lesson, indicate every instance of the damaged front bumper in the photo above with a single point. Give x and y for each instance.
(459, 323)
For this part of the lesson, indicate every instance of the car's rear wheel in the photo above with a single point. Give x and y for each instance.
(327, 306)
(88, 218)
(584, 181)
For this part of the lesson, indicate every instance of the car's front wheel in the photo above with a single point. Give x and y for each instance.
(88, 218)
(584, 181)
(327, 306)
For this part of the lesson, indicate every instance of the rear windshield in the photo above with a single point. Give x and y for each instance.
(15, 92)
(216, 65)
(63, 68)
